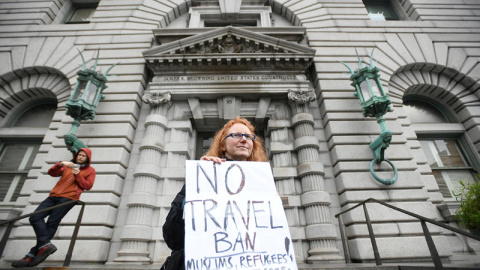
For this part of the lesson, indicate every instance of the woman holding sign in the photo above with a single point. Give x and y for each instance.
(236, 141)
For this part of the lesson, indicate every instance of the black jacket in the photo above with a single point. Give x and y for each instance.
(174, 226)
(174, 234)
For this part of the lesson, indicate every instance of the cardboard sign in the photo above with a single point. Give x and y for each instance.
(234, 218)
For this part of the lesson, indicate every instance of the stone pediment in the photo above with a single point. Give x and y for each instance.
(231, 48)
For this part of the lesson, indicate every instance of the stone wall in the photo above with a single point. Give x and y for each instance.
(434, 53)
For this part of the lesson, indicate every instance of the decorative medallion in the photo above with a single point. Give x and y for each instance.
(301, 97)
(157, 98)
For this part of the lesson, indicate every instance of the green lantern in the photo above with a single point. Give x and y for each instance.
(84, 100)
(375, 103)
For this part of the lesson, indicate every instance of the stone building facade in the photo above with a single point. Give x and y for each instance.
(186, 67)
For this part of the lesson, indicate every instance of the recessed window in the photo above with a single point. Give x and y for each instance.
(15, 162)
(381, 10)
(209, 16)
(234, 23)
(19, 148)
(82, 12)
(448, 165)
(38, 116)
(442, 144)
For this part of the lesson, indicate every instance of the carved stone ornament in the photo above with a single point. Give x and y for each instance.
(157, 98)
(301, 97)
(227, 44)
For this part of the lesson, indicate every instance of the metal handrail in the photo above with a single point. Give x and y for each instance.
(68, 257)
(431, 245)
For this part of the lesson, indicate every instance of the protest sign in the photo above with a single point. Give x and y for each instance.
(234, 218)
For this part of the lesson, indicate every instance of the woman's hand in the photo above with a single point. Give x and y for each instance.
(214, 159)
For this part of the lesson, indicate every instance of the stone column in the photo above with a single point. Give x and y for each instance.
(285, 173)
(320, 231)
(137, 232)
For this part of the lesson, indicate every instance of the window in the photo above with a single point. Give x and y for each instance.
(19, 145)
(448, 164)
(421, 112)
(381, 10)
(82, 11)
(442, 143)
(39, 116)
(15, 161)
(209, 16)
(230, 23)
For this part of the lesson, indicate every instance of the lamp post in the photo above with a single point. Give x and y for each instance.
(84, 100)
(375, 103)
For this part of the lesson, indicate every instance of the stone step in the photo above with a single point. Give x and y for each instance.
(353, 266)
(457, 262)
(150, 267)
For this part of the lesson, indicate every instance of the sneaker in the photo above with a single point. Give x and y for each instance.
(43, 253)
(25, 262)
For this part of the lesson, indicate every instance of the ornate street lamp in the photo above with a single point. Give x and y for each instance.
(84, 100)
(375, 103)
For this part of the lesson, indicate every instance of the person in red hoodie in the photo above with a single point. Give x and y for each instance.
(76, 176)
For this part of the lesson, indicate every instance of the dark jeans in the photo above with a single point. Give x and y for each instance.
(46, 230)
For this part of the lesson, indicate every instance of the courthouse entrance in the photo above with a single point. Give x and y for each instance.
(199, 83)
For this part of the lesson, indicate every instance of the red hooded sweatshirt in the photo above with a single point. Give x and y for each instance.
(71, 185)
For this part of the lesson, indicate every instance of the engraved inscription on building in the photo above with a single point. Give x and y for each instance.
(219, 78)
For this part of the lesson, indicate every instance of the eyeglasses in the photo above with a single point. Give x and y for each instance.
(239, 136)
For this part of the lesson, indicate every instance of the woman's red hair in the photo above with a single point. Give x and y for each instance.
(218, 144)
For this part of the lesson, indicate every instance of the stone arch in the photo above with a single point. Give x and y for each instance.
(160, 14)
(32, 84)
(402, 54)
(449, 87)
(456, 91)
(291, 10)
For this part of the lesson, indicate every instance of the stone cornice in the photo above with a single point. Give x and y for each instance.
(293, 34)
